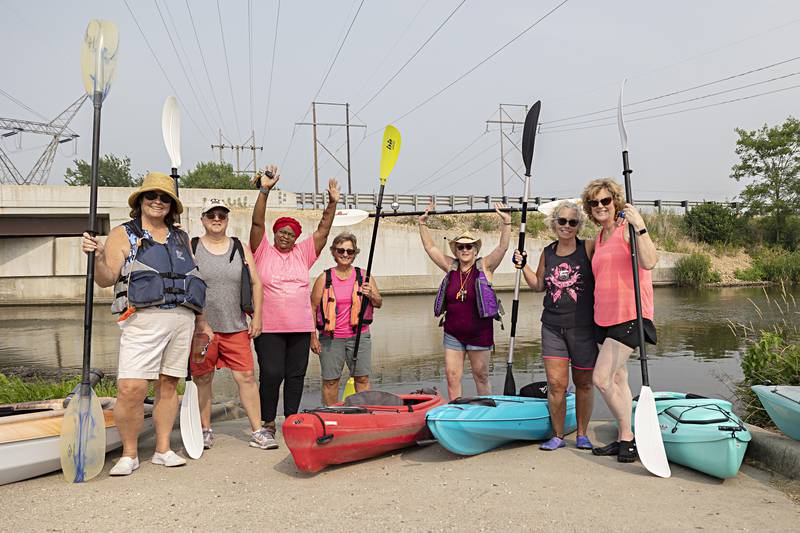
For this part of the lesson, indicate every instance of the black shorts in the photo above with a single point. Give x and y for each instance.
(576, 345)
(627, 333)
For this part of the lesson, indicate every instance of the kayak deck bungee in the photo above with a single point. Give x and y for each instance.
(703, 434)
(343, 432)
(492, 421)
(782, 403)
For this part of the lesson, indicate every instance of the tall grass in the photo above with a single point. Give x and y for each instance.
(695, 270)
(16, 390)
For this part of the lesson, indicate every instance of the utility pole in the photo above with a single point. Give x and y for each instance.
(248, 144)
(347, 125)
(506, 118)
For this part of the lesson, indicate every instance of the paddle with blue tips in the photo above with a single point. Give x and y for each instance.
(649, 442)
(83, 430)
(528, 140)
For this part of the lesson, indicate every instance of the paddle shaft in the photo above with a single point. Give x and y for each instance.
(363, 307)
(174, 175)
(635, 265)
(88, 307)
(518, 275)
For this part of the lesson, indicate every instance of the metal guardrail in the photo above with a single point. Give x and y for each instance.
(418, 202)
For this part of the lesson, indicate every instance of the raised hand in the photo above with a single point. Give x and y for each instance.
(423, 218)
(334, 194)
(504, 215)
(269, 177)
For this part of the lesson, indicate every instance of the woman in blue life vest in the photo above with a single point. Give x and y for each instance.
(565, 275)
(159, 297)
(467, 301)
(336, 301)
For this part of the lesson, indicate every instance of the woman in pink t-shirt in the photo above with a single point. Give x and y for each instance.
(336, 302)
(614, 302)
(283, 267)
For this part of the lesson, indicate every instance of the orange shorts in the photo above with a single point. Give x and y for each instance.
(231, 350)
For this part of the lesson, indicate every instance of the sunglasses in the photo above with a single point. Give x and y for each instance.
(461, 247)
(152, 195)
(216, 215)
(605, 201)
(564, 221)
(345, 251)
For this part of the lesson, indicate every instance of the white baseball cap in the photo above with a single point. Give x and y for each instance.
(211, 203)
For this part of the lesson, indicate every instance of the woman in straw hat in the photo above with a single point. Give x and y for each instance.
(160, 298)
(467, 301)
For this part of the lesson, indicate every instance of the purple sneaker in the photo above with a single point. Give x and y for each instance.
(583, 443)
(553, 444)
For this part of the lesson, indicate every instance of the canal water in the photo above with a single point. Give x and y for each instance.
(697, 351)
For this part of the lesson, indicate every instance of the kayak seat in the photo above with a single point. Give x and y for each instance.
(487, 402)
(374, 397)
(534, 390)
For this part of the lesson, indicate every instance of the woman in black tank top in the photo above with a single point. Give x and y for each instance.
(565, 275)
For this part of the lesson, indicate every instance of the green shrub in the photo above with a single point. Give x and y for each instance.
(754, 273)
(713, 223)
(695, 270)
(483, 222)
(534, 224)
(15, 390)
(777, 265)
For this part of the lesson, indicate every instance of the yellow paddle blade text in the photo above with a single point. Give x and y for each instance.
(390, 149)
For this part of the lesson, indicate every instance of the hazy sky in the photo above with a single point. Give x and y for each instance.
(573, 61)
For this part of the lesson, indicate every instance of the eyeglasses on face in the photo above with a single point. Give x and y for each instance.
(461, 247)
(218, 215)
(564, 221)
(152, 195)
(605, 201)
(345, 251)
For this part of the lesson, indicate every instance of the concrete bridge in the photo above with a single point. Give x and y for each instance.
(43, 263)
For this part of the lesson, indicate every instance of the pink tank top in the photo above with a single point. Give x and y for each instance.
(614, 298)
(343, 290)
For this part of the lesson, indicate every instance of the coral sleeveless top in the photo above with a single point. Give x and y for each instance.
(614, 298)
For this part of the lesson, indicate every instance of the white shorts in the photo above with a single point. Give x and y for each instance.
(155, 341)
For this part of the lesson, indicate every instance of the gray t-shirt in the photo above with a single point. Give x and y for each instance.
(224, 279)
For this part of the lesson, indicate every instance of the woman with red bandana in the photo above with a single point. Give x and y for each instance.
(283, 268)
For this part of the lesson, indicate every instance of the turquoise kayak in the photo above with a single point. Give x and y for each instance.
(782, 403)
(473, 428)
(703, 434)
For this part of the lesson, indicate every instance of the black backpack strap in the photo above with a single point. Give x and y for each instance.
(237, 247)
(328, 278)
(194, 244)
(359, 278)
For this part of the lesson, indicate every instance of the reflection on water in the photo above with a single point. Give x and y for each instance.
(697, 350)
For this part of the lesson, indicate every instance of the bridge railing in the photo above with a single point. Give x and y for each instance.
(417, 202)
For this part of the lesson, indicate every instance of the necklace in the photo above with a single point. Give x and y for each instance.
(462, 292)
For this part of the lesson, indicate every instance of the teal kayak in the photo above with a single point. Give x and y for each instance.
(782, 403)
(703, 434)
(492, 421)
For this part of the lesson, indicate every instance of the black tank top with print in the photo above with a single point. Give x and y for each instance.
(569, 287)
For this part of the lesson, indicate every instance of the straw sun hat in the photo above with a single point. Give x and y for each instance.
(157, 181)
(465, 238)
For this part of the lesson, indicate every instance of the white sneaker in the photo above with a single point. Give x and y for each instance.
(125, 466)
(168, 458)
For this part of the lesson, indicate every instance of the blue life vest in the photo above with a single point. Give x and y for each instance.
(163, 275)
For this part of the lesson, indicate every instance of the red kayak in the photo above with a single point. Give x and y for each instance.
(367, 424)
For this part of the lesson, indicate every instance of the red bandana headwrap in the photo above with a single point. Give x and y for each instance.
(287, 221)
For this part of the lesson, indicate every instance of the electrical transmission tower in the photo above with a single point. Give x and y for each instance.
(249, 144)
(505, 118)
(57, 129)
(347, 125)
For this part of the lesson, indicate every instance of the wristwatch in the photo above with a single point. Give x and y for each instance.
(642, 231)
(264, 190)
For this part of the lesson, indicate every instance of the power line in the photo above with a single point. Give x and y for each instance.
(250, 60)
(228, 68)
(205, 66)
(487, 58)
(463, 164)
(341, 45)
(679, 111)
(662, 106)
(410, 59)
(161, 67)
(490, 162)
(272, 68)
(453, 158)
(23, 105)
(200, 104)
(673, 93)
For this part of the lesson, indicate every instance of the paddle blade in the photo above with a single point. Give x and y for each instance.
(83, 437)
(529, 135)
(171, 130)
(510, 387)
(623, 133)
(99, 56)
(390, 149)
(649, 443)
(348, 217)
(349, 389)
(191, 429)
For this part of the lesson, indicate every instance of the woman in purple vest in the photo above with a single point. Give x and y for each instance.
(468, 302)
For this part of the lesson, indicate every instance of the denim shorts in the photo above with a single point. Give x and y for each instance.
(455, 344)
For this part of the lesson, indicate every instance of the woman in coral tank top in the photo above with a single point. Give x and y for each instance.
(614, 302)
